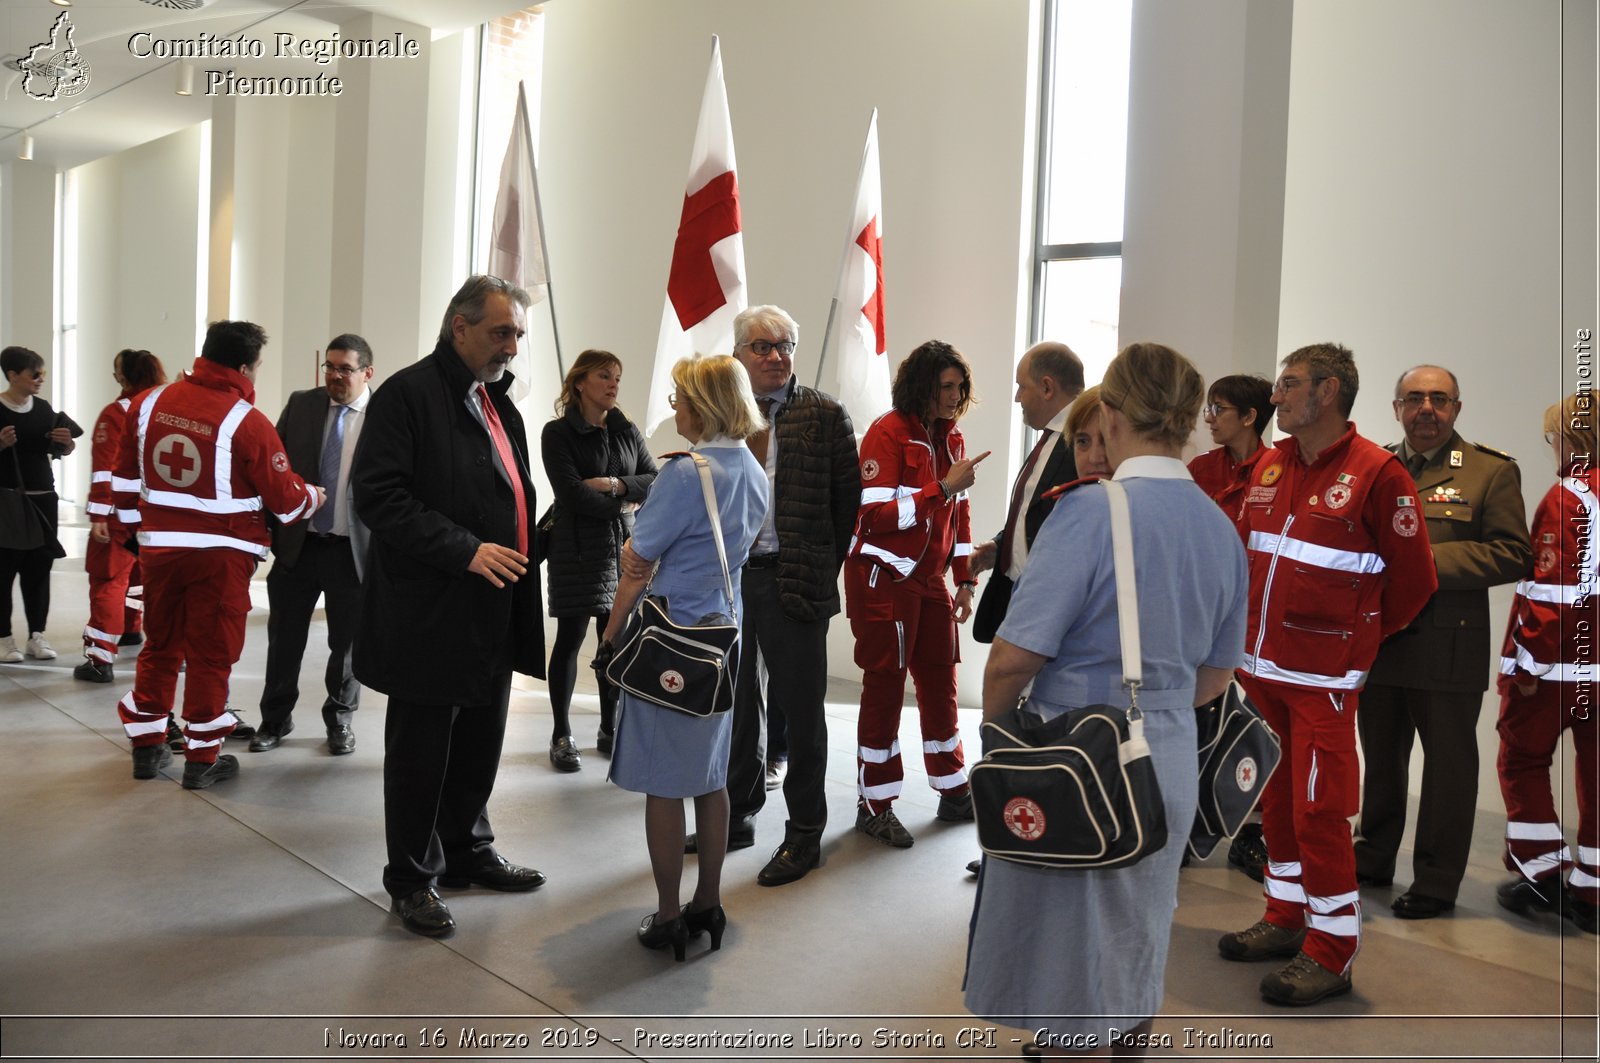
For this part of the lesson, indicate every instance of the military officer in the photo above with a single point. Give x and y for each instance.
(1429, 678)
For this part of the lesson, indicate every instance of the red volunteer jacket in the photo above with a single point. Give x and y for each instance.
(107, 441)
(1339, 560)
(199, 465)
(905, 528)
(1552, 631)
(1223, 479)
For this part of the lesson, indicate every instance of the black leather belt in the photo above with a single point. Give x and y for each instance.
(762, 561)
(329, 537)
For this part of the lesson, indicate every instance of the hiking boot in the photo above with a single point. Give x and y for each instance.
(174, 735)
(955, 809)
(1248, 852)
(885, 827)
(1304, 981)
(93, 671)
(200, 776)
(147, 760)
(1261, 942)
(1579, 912)
(1521, 896)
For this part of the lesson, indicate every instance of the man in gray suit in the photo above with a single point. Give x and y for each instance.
(320, 557)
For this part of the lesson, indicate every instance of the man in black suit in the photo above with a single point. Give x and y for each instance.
(441, 480)
(319, 428)
(1049, 377)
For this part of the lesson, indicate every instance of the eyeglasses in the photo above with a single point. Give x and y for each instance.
(1413, 400)
(672, 400)
(1214, 409)
(1549, 439)
(340, 370)
(1287, 384)
(766, 347)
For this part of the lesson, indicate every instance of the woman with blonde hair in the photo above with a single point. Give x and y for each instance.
(1547, 683)
(600, 472)
(1079, 956)
(663, 754)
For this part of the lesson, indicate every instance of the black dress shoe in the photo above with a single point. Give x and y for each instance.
(131, 638)
(741, 835)
(564, 754)
(268, 736)
(707, 920)
(605, 742)
(654, 934)
(1413, 905)
(341, 740)
(798, 854)
(973, 867)
(1520, 895)
(424, 913)
(501, 875)
(1364, 879)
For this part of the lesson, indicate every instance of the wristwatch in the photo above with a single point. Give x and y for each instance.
(614, 491)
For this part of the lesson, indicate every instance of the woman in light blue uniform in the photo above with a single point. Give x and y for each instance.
(664, 754)
(1079, 956)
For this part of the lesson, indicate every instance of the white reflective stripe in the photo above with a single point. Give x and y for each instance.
(962, 550)
(142, 435)
(178, 500)
(902, 565)
(881, 792)
(134, 729)
(1581, 879)
(223, 479)
(1291, 870)
(1312, 554)
(873, 495)
(96, 633)
(1340, 926)
(1311, 778)
(100, 476)
(301, 510)
(1555, 593)
(1555, 673)
(221, 723)
(1588, 856)
(99, 654)
(1329, 905)
(907, 512)
(99, 509)
(1533, 832)
(135, 591)
(200, 541)
(1544, 863)
(947, 746)
(948, 782)
(126, 486)
(1262, 668)
(128, 516)
(1279, 890)
(869, 755)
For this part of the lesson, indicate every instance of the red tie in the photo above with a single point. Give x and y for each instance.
(1014, 514)
(502, 446)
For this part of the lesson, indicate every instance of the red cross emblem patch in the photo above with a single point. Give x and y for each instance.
(1405, 522)
(1245, 775)
(1024, 818)
(177, 460)
(672, 681)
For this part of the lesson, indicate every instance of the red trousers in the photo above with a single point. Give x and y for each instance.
(1305, 815)
(1530, 729)
(195, 607)
(924, 644)
(115, 598)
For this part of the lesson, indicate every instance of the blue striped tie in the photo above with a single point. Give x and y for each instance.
(332, 452)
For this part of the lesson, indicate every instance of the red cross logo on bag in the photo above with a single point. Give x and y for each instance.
(1024, 818)
(671, 681)
(1244, 775)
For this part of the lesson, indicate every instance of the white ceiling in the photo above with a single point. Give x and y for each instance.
(131, 100)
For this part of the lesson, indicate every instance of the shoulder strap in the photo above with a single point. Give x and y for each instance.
(1127, 593)
(704, 468)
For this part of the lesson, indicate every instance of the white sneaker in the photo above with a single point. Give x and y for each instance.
(39, 649)
(9, 654)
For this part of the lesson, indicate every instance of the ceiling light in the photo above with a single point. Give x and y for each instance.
(62, 3)
(26, 154)
(185, 78)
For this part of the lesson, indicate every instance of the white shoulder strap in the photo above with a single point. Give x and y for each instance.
(704, 468)
(1127, 591)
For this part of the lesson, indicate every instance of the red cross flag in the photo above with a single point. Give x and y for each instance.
(861, 362)
(706, 287)
(516, 249)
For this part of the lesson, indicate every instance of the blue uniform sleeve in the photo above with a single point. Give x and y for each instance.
(1071, 551)
(675, 504)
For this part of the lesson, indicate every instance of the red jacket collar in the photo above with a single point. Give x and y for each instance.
(217, 377)
(1291, 446)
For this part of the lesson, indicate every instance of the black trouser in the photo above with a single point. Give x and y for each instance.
(783, 664)
(33, 566)
(326, 567)
(439, 767)
(563, 674)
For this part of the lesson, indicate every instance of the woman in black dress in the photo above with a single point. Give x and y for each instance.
(600, 473)
(33, 434)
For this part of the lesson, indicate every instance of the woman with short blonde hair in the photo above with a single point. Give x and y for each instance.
(717, 390)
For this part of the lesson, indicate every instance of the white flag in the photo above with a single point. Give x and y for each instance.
(861, 368)
(516, 244)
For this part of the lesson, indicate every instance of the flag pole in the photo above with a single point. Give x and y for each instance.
(544, 249)
(849, 241)
(827, 335)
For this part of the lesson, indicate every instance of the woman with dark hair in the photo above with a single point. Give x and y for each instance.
(112, 567)
(1079, 956)
(912, 528)
(33, 433)
(1237, 410)
(600, 473)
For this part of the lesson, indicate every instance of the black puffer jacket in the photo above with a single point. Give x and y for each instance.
(817, 493)
(591, 527)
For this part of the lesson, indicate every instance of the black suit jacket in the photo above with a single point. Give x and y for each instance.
(1059, 467)
(426, 485)
(300, 427)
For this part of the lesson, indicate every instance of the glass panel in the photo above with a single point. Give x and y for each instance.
(1089, 121)
(1081, 301)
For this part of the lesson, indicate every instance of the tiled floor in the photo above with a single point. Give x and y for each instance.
(142, 920)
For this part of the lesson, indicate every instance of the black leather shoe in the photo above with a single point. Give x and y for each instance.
(1580, 913)
(241, 730)
(604, 742)
(341, 740)
(741, 835)
(1364, 879)
(654, 934)
(798, 854)
(974, 866)
(201, 776)
(501, 875)
(147, 760)
(955, 809)
(1248, 852)
(93, 671)
(131, 638)
(269, 736)
(424, 913)
(174, 735)
(1520, 895)
(707, 920)
(1413, 905)
(564, 754)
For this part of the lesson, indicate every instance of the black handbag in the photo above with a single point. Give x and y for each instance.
(1238, 754)
(688, 668)
(22, 526)
(1077, 791)
(541, 534)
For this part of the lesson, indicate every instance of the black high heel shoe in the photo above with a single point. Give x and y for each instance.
(674, 932)
(714, 920)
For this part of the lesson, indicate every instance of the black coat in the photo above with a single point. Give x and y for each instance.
(816, 494)
(1060, 466)
(426, 486)
(591, 527)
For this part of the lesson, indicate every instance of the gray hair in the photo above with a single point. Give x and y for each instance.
(767, 318)
(1401, 379)
(470, 298)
